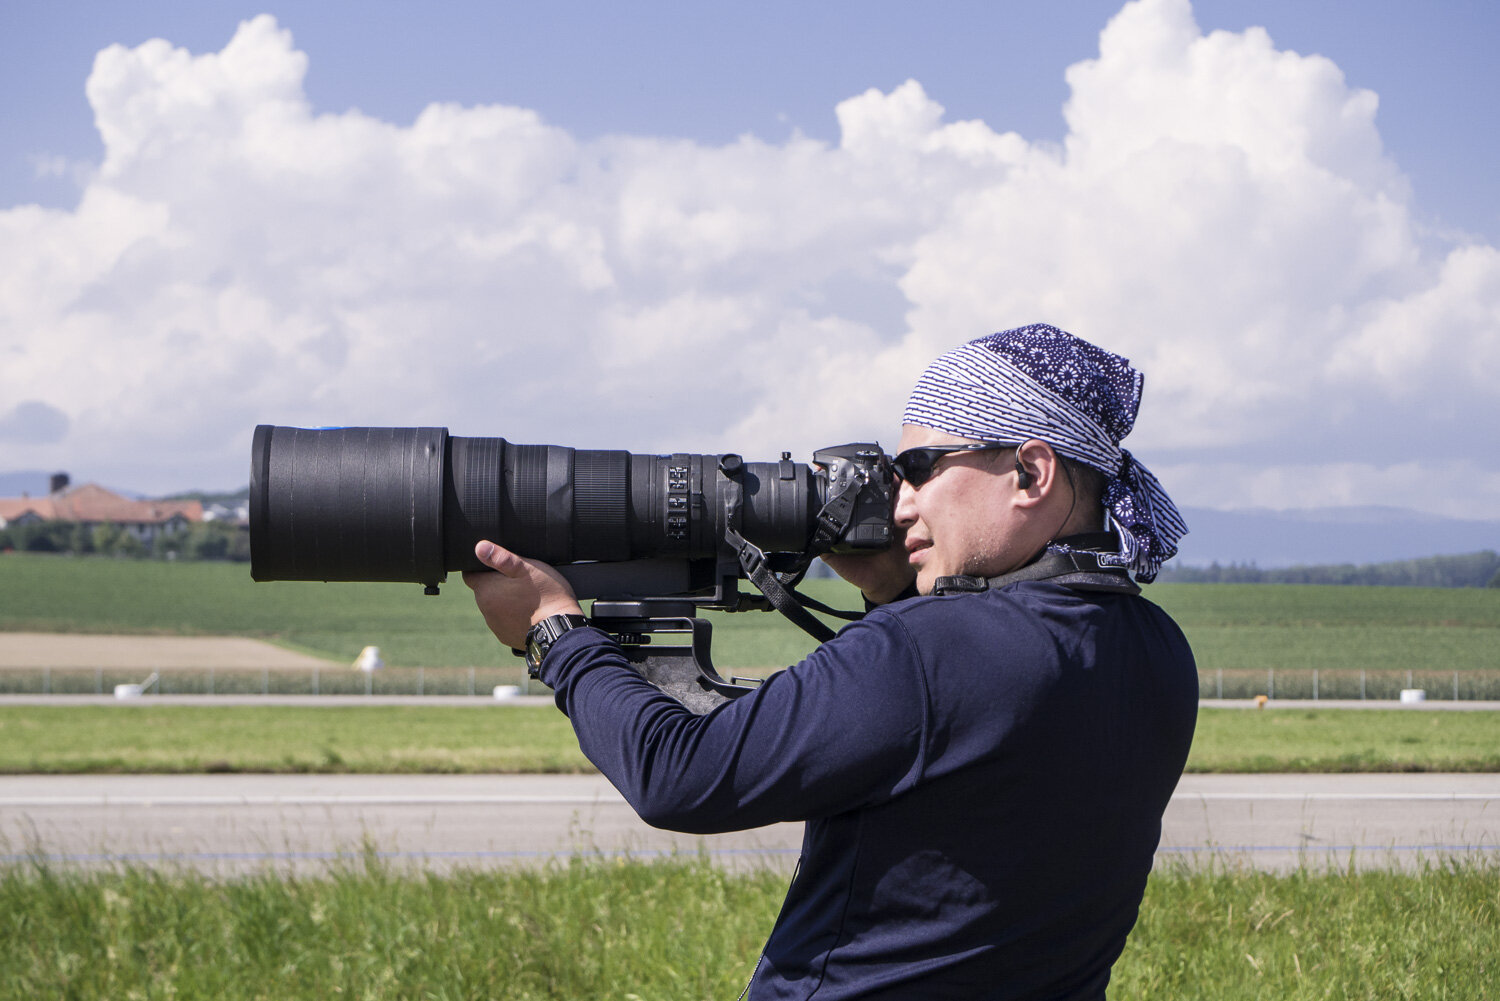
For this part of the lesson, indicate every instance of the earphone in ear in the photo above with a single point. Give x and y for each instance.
(1023, 478)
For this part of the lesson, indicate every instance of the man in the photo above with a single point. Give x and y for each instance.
(983, 764)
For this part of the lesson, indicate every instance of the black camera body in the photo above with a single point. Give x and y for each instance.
(408, 504)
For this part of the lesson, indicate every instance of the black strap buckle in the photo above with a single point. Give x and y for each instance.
(960, 584)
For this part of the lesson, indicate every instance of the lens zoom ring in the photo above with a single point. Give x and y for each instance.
(601, 530)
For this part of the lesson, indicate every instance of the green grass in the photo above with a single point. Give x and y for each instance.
(74, 594)
(1369, 936)
(363, 739)
(499, 738)
(1230, 626)
(589, 929)
(685, 929)
(1322, 606)
(1335, 627)
(1334, 740)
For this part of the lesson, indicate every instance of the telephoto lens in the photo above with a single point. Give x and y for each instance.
(408, 504)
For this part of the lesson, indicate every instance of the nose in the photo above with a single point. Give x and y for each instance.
(906, 505)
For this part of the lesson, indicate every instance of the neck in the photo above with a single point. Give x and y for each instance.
(1086, 519)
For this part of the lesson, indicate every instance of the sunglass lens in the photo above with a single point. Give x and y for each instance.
(914, 466)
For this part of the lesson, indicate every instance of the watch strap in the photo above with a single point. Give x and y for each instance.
(541, 636)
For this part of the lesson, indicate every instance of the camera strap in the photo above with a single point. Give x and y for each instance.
(780, 588)
(1072, 566)
(779, 592)
(833, 517)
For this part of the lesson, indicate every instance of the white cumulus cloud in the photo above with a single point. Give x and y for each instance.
(1221, 211)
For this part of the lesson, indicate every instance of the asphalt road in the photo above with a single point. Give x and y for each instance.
(235, 823)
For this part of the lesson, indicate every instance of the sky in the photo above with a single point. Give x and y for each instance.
(723, 227)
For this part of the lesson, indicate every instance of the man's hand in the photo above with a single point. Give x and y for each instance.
(519, 595)
(880, 576)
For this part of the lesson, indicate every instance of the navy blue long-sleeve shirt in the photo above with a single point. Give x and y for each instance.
(982, 775)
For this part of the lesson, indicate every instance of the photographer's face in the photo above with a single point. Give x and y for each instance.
(960, 520)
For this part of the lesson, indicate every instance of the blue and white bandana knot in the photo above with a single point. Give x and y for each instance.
(1041, 382)
(1147, 521)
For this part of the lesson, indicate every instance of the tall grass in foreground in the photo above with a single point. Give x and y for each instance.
(1432, 934)
(685, 929)
(586, 929)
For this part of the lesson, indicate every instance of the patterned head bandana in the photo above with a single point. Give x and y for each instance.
(1041, 382)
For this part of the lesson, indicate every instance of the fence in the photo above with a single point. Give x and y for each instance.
(265, 681)
(1313, 683)
(1222, 683)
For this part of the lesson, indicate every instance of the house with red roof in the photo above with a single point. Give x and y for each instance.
(91, 504)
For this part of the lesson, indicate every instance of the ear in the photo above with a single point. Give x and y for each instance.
(1037, 469)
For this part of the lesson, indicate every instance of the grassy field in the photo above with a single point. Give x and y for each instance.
(101, 595)
(1289, 626)
(1230, 626)
(1333, 740)
(362, 739)
(398, 739)
(684, 929)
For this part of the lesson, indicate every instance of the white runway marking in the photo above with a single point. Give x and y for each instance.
(294, 800)
(602, 798)
(1314, 797)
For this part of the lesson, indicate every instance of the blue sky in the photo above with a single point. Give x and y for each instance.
(712, 226)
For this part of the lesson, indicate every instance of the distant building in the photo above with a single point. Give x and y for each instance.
(234, 514)
(91, 504)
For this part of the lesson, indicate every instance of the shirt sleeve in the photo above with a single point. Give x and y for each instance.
(845, 728)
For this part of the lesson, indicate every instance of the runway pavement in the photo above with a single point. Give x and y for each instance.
(541, 698)
(1280, 822)
(235, 823)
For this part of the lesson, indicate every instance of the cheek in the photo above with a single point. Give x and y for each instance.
(972, 533)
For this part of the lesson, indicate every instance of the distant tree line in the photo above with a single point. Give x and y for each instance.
(204, 540)
(1480, 569)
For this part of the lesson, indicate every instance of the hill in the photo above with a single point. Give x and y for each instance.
(1326, 536)
(1469, 570)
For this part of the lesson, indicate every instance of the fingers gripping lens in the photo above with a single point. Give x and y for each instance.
(916, 465)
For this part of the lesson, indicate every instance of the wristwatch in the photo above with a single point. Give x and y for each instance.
(545, 633)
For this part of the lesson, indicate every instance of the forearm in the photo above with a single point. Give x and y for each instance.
(830, 735)
(662, 758)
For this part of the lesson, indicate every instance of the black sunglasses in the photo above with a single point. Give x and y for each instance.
(915, 465)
